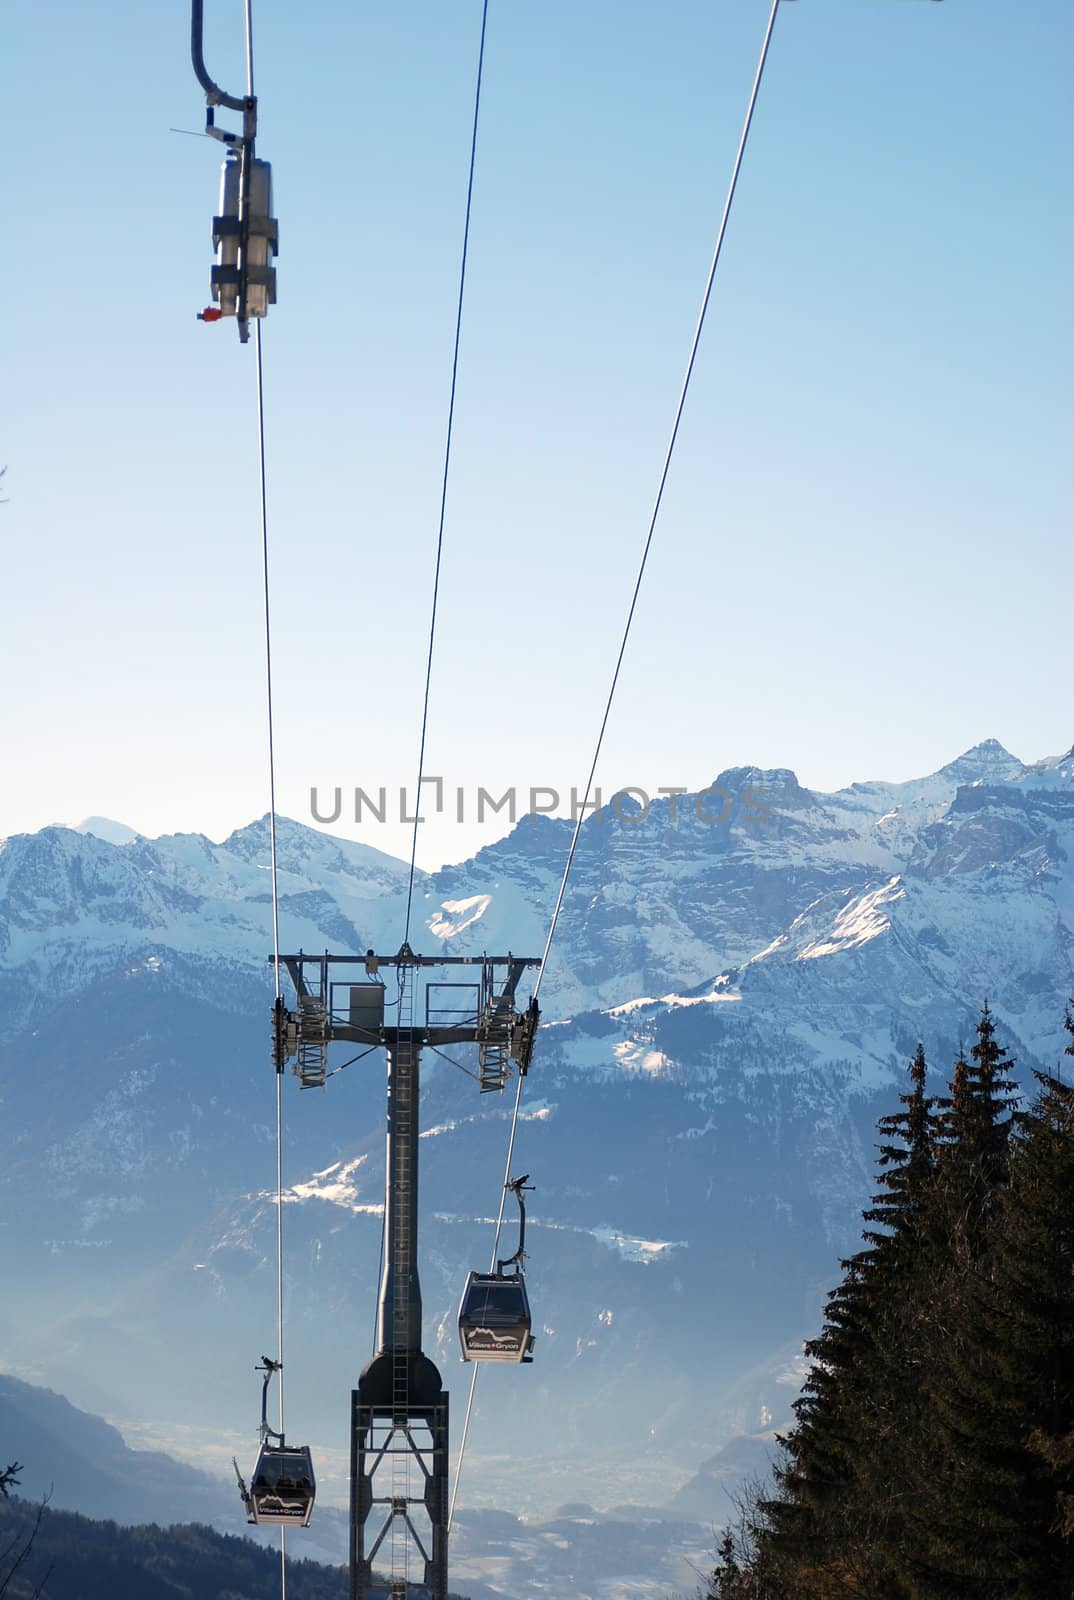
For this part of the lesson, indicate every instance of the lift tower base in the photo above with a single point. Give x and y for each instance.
(382, 1440)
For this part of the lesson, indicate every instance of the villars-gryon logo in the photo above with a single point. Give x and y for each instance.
(630, 805)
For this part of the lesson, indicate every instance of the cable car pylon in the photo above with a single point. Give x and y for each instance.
(399, 1411)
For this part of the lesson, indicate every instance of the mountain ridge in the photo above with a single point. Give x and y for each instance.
(211, 900)
(729, 1008)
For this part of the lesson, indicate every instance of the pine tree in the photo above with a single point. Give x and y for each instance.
(977, 1126)
(904, 1209)
(1054, 1441)
(962, 1525)
(933, 1453)
(727, 1578)
(811, 1528)
(1032, 1351)
(832, 1520)
(909, 1253)
(743, 1575)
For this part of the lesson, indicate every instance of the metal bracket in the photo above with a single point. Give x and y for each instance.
(284, 1035)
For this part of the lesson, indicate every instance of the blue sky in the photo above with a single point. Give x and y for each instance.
(863, 561)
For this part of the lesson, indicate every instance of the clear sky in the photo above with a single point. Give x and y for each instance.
(864, 560)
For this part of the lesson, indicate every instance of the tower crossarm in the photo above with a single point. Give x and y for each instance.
(501, 1031)
(296, 964)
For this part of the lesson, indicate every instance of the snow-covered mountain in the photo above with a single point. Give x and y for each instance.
(663, 901)
(729, 1006)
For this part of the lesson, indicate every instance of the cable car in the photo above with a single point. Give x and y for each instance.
(282, 1489)
(494, 1318)
(494, 1312)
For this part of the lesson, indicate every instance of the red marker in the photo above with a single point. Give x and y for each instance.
(210, 314)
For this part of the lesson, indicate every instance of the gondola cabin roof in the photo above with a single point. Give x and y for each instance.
(282, 1489)
(494, 1318)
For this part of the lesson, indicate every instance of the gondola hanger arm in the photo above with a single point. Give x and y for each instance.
(517, 1187)
(268, 1367)
(216, 96)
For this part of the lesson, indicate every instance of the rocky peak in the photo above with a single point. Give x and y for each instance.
(987, 761)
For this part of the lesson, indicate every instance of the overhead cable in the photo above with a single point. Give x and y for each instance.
(273, 852)
(446, 471)
(558, 907)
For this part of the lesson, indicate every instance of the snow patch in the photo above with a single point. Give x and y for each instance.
(455, 915)
(633, 1249)
(335, 1184)
(441, 1127)
(631, 1053)
(719, 996)
(631, 1006)
(539, 1111)
(859, 922)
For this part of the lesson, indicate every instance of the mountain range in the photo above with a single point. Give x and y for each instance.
(728, 1007)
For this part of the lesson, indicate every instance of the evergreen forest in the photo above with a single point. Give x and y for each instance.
(932, 1453)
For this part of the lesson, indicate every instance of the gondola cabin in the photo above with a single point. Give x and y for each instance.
(282, 1489)
(494, 1318)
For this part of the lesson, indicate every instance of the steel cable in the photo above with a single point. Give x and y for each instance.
(248, 20)
(447, 469)
(554, 923)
